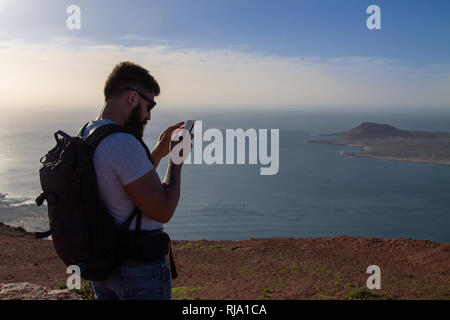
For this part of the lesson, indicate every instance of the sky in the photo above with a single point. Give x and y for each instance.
(229, 53)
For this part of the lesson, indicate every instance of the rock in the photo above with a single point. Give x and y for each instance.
(29, 291)
(15, 231)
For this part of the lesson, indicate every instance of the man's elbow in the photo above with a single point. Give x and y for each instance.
(162, 216)
(163, 219)
(167, 216)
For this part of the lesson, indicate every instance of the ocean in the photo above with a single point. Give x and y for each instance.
(318, 191)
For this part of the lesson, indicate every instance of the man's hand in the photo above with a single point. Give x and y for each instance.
(162, 147)
(177, 155)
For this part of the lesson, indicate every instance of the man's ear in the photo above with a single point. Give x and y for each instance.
(132, 98)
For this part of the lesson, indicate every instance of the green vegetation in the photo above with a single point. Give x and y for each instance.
(267, 293)
(294, 266)
(245, 270)
(216, 247)
(322, 296)
(200, 247)
(364, 294)
(191, 247)
(186, 248)
(58, 285)
(183, 292)
(86, 292)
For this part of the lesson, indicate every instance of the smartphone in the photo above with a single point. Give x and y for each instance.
(189, 124)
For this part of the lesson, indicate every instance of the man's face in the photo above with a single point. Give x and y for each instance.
(140, 115)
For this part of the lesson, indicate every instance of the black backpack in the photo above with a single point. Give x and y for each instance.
(82, 230)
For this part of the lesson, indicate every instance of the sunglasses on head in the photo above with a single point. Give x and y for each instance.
(152, 103)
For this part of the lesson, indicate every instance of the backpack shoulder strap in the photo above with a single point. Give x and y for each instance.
(149, 155)
(102, 132)
(94, 138)
(82, 129)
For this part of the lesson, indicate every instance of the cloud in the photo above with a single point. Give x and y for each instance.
(70, 71)
(142, 38)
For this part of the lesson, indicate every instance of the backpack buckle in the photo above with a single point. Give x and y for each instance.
(50, 197)
(40, 199)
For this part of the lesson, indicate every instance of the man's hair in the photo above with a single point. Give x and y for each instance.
(129, 74)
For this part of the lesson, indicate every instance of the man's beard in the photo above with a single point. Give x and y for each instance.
(135, 122)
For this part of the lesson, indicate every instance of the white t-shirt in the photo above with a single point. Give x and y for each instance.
(118, 160)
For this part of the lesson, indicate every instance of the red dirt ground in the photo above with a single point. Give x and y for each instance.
(276, 268)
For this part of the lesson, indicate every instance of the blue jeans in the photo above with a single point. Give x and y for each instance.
(133, 280)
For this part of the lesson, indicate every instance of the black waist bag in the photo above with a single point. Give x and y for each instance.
(147, 246)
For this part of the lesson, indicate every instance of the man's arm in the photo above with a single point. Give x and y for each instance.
(157, 200)
(156, 156)
(172, 185)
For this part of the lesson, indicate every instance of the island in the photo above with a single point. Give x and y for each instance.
(384, 141)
